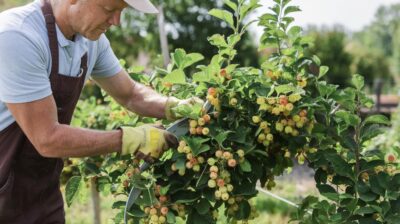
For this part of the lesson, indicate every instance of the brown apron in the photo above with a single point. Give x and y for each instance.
(29, 183)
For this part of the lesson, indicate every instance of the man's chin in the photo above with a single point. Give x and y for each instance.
(92, 36)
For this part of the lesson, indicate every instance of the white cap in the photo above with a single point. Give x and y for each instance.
(142, 5)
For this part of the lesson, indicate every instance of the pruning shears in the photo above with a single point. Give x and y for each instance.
(178, 128)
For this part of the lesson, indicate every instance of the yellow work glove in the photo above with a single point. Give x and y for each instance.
(173, 103)
(146, 142)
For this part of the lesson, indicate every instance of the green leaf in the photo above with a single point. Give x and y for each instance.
(248, 8)
(203, 207)
(294, 32)
(245, 166)
(136, 211)
(340, 165)
(357, 81)
(164, 189)
(349, 118)
(316, 60)
(223, 15)
(371, 131)
(231, 5)
(326, 89)
(377, 119)
(328, 191)
(185, 196)
(195, 218)
(201, 77)
(176, 77)
(136, 69)
(233, 39)
(244, 210)
(171, 218)
(147, 198)
(196, 144)
(365, 210)
(72, 188)
(284, 89)
(118, 204)
(191, 59)
(221, 137)
(323, 70)
(267, 17)
(291, 9)
(203, 148)
(218, 40)
(178, 57)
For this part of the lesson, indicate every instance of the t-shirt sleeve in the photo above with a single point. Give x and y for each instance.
(107, 64)
(23, 69)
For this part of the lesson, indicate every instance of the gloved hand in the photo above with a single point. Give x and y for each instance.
(146, 142)
(173, 103)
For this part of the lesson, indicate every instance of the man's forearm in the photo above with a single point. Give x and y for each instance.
(146, 102)
(67, 141)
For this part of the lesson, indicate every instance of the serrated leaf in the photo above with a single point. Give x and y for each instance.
(365, 210)
(203, 207)
(233, 39)
(201, 77)
(136, 211)
(245, 166)
(268, 16)
(191, 59)
(248, 8)
(196, 144)
(349, 118)
(176, 77)
(221, 137)
(218, 40)
(72, 189)
(244, 210)
(185, 196)
(223, 15)
(171, 218)
(284, 89)
(377, 119)
(357, 81)
(118, 204)
(328, 191)
(178, 57)
(323, 70)
(294, 32)
(231, 5)
(291, 9)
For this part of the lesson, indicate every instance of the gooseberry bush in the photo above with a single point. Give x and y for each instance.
(261, 121)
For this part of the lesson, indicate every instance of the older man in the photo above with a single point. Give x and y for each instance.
(48, 49)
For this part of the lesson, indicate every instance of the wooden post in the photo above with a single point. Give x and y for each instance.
(378, 84)
(163, 36)
(96, 202)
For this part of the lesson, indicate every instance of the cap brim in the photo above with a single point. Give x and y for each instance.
(142, 5)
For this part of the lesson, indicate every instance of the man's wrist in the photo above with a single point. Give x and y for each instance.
(169, 105)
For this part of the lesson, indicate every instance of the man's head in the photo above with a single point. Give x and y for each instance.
(142, 5)
(91, 18)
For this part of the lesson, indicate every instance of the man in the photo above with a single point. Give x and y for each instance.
(48, 49)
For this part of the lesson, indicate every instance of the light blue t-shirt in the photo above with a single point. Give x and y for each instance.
(25, 59)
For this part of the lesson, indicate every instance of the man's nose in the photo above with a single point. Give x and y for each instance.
(115, 19)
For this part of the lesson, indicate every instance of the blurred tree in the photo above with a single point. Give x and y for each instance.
(187, 24)
(382, 36)
(371, 64)
(329, 46)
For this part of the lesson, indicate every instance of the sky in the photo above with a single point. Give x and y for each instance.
(352, 14)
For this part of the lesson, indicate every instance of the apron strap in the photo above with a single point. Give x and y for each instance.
(53, 41)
